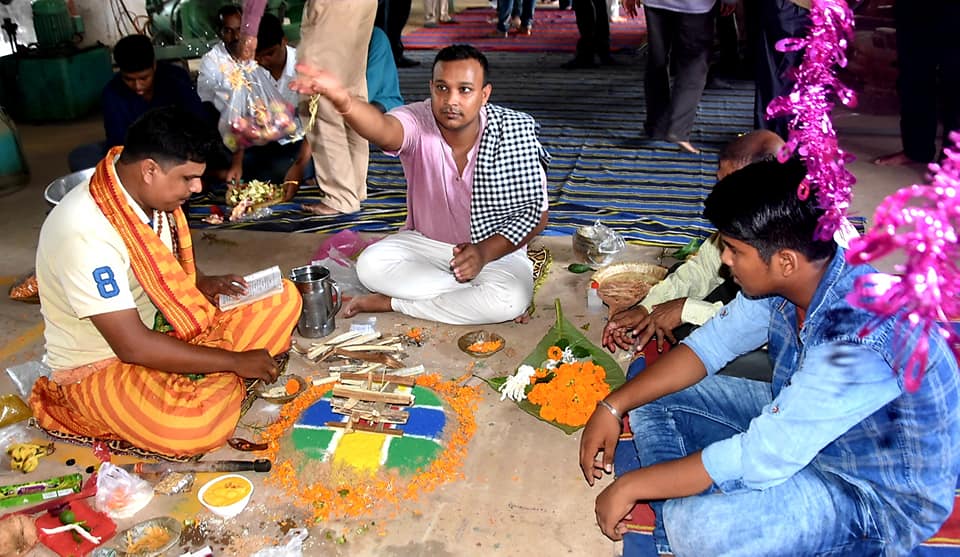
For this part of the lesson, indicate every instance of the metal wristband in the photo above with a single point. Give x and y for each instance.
(608, 406)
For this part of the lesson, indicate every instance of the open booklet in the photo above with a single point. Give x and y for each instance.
(259, 285)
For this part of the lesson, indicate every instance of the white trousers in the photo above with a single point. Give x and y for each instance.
(414, 271)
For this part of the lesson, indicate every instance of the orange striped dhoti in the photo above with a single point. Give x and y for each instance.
(169, 413)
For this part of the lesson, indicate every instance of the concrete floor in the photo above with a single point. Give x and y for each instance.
(522, 492)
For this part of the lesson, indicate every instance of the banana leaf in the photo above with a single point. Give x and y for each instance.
(564, 334)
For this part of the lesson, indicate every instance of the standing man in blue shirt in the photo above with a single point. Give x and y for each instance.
(139, 85)
(834, 456)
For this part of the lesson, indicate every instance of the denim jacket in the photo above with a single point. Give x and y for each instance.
(839, 405)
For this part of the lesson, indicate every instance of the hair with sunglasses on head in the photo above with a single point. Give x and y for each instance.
(758, 205)
(463, 52)
(171, 136)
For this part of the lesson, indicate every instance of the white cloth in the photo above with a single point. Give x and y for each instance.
(414, 271)
(83, 269)
(212, 85)
(693, 280)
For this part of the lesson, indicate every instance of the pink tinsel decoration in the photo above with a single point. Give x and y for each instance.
(923, 221)
(809, 105)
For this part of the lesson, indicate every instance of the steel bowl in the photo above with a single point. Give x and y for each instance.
(466, 340)
(58, 188)
(118, 545)
(263, 390)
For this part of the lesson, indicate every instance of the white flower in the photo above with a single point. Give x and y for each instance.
(568, 357)
(515, 386)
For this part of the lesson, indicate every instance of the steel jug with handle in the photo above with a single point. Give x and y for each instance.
(321, 300)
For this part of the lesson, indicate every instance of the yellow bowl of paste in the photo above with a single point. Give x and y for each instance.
(226, 495)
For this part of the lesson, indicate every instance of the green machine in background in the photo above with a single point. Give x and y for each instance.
(55, 79)
(187, 28)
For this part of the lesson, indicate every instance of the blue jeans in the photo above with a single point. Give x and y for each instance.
(811, 513)
(509, 8)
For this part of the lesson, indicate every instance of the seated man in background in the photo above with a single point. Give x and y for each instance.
(287, 159)
(139, 351)
(476, 194)
(834, 456)
(697, 288)
(212, 85)
(139, 85)
(383, 81)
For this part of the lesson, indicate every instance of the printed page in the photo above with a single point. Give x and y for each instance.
(259, 285)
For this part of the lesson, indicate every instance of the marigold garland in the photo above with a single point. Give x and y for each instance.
(382, 490)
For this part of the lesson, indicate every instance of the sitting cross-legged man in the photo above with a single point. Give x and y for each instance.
(835, 456)
(140, 84)
(139, 351)
(698, 287)
(476, 194)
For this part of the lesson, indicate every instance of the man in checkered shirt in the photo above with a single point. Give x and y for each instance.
(476, 194)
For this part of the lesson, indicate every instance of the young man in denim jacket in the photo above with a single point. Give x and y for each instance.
(833, 457)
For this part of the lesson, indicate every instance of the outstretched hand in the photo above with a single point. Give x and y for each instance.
(313, 81)
(599, 438)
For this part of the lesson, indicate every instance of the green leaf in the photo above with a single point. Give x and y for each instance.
(689, 249)
(564, 334)
(579, 268)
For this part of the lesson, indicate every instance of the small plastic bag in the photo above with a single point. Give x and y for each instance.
(338, 254)
(26, 374)
(598, 244)
(343, 246)
(12, 410)
(20, 432)
(121, 494)
(256, 113)
(292, 546)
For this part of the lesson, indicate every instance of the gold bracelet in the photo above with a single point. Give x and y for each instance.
(349, 107)
(608, 406)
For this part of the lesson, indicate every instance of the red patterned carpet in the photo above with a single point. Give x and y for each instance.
(553, 31)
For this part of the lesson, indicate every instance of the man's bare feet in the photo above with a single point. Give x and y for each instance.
(368, 303)
(688, 147)
(895, 159)
(522, 318)
(319, 209)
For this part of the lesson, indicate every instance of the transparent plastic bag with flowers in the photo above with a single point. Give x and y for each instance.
(256, 112)
(561, 381)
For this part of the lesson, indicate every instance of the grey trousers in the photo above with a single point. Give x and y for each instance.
(678, 48)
